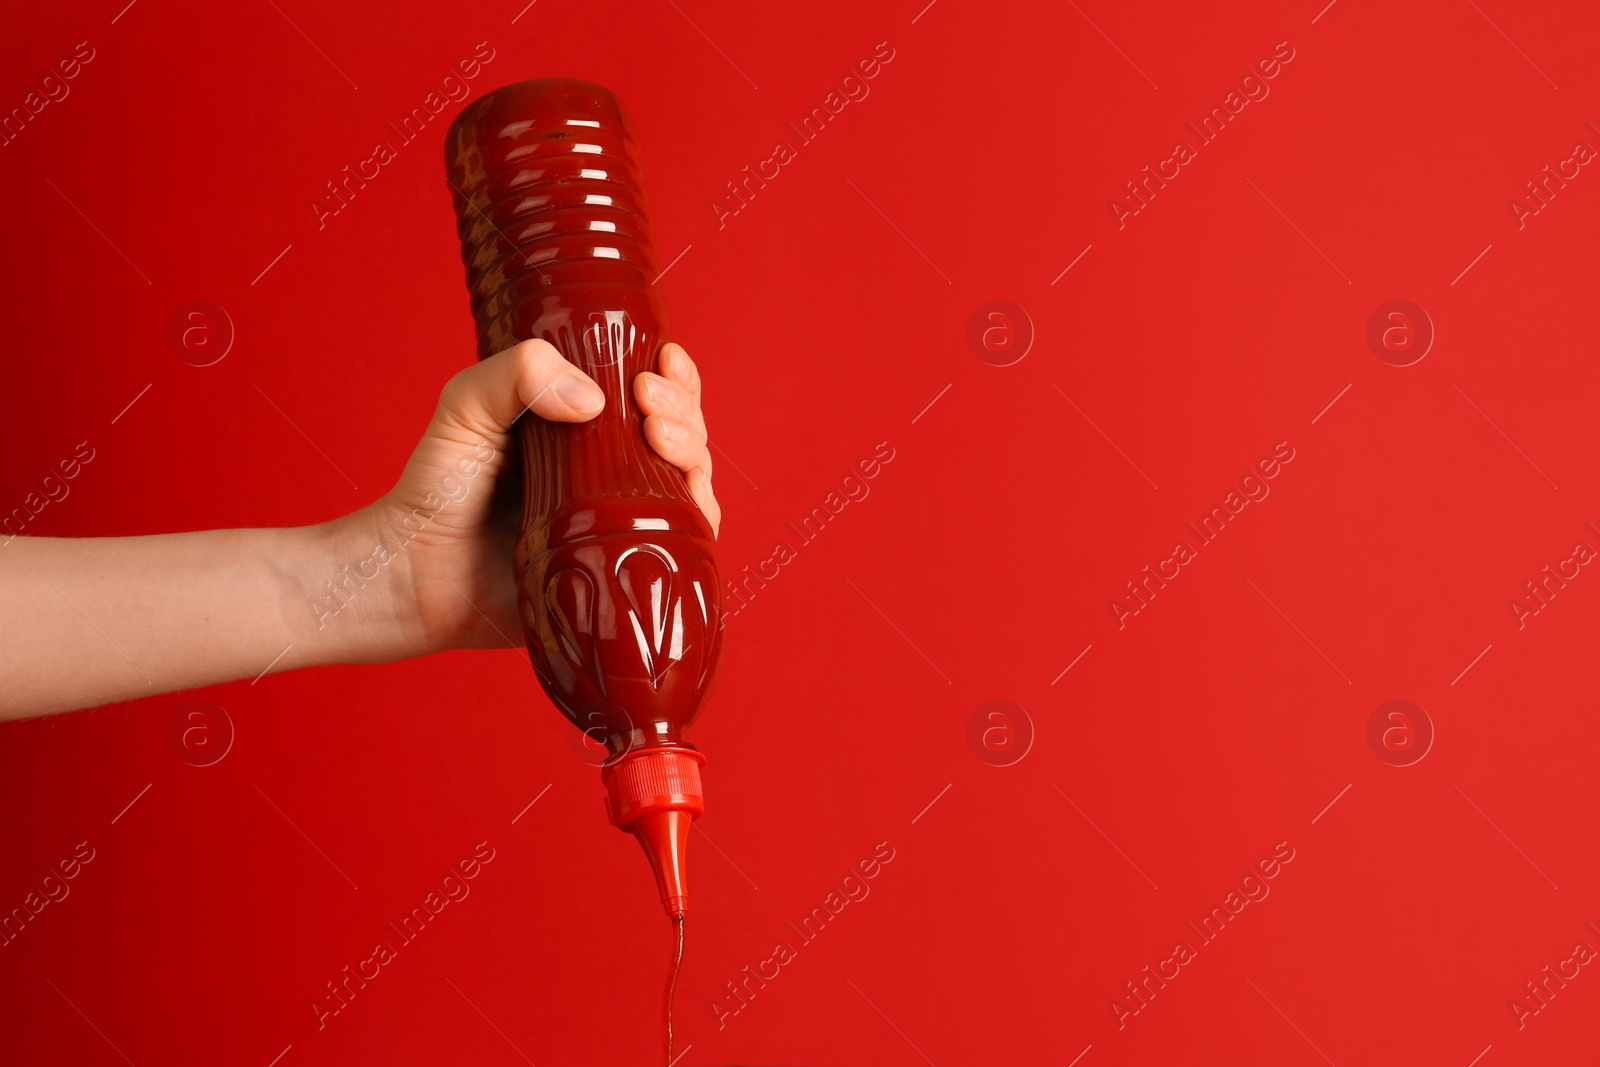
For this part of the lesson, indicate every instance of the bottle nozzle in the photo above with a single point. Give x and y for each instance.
(656, 795)
(665, 838)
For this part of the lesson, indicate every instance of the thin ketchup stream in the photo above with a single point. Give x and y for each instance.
(672, 978)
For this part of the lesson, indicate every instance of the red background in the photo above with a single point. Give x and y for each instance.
(1222, 719)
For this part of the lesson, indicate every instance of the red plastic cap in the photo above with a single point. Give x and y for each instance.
(656, 795)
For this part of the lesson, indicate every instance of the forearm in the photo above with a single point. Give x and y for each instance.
(426, 567)
(97, 620)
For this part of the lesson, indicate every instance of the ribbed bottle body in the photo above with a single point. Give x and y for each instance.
(616, 567)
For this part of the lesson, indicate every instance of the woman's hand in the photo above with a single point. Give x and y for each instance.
(92, 620)
(442, 538)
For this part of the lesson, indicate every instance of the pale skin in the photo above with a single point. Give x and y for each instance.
(91, 621)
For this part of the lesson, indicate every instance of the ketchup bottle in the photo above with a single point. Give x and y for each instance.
(615, 565)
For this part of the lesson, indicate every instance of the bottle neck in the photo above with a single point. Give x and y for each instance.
(656, 795)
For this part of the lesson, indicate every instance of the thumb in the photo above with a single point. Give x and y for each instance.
(487, 397)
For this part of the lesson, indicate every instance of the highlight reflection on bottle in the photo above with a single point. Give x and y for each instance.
(616, 566)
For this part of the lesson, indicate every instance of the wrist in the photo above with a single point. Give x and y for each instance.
(345, 602)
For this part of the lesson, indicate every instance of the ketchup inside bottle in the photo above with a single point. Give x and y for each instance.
(618, 585)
